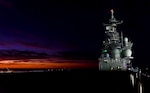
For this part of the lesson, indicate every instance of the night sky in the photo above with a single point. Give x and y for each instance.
(74, 26)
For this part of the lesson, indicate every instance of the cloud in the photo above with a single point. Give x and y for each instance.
(34, 45)
(78, 55)
(22, 45)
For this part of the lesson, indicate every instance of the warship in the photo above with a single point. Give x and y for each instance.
(116, 55)
(116, 51)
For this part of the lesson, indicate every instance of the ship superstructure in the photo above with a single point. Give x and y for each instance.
(117, 50)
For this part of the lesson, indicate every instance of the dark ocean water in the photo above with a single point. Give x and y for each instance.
(80, 81)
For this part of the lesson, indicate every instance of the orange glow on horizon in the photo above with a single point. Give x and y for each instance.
(47, 65)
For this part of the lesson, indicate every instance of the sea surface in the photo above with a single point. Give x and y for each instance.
(69, 81)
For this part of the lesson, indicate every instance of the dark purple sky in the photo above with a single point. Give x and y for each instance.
(70, 25)
(30, 25)
(49, 26)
